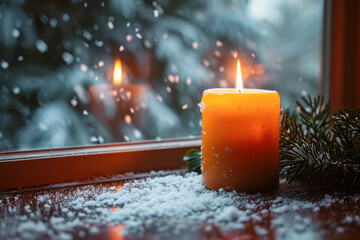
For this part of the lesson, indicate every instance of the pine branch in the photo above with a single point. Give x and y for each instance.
(347, 131)
(290, 130)
(193, 160)
(324, 155)
(314, 116)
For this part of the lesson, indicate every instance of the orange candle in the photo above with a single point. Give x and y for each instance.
(240, 139)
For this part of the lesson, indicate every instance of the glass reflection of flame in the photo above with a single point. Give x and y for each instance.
(117, 72)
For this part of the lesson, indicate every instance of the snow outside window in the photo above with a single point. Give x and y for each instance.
(57, 64)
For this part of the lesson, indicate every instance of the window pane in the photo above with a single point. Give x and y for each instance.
(57, 60)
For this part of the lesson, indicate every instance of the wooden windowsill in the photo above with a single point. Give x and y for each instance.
(42, 167)
(294, 211)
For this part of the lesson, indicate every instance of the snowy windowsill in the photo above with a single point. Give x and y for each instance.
(176, 206)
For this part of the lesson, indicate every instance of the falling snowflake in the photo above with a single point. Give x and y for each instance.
(74, 102)
(206, 63)
(41, 46)
(87, 35)
(99, 43)
(15, 33)
(137, 134)
(156, 13)
(234, 54)
(188, 81)
(171, 78)
(4, 64)
(128, 95)
(128, 38)
(65, 17)
(217, 53)
(127, 119)
(158, 97)
(100, 139)
(53, 22)
(68, 58)
(147, 44)
(83, 67)
(16, 90)
(93, 139)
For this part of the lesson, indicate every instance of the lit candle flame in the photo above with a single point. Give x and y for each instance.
(239, 83)
(117, 78)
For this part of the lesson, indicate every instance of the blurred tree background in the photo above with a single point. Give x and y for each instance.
(51, 53)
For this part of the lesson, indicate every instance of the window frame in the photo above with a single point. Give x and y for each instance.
(49, 166)
(342, 52)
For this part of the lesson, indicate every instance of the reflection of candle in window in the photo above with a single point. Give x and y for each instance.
(117, 76)
(118, 103)
(240, 138)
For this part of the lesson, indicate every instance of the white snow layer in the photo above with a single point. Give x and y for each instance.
(163, 199)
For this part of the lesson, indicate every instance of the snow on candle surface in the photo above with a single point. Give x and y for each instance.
(240, 138)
